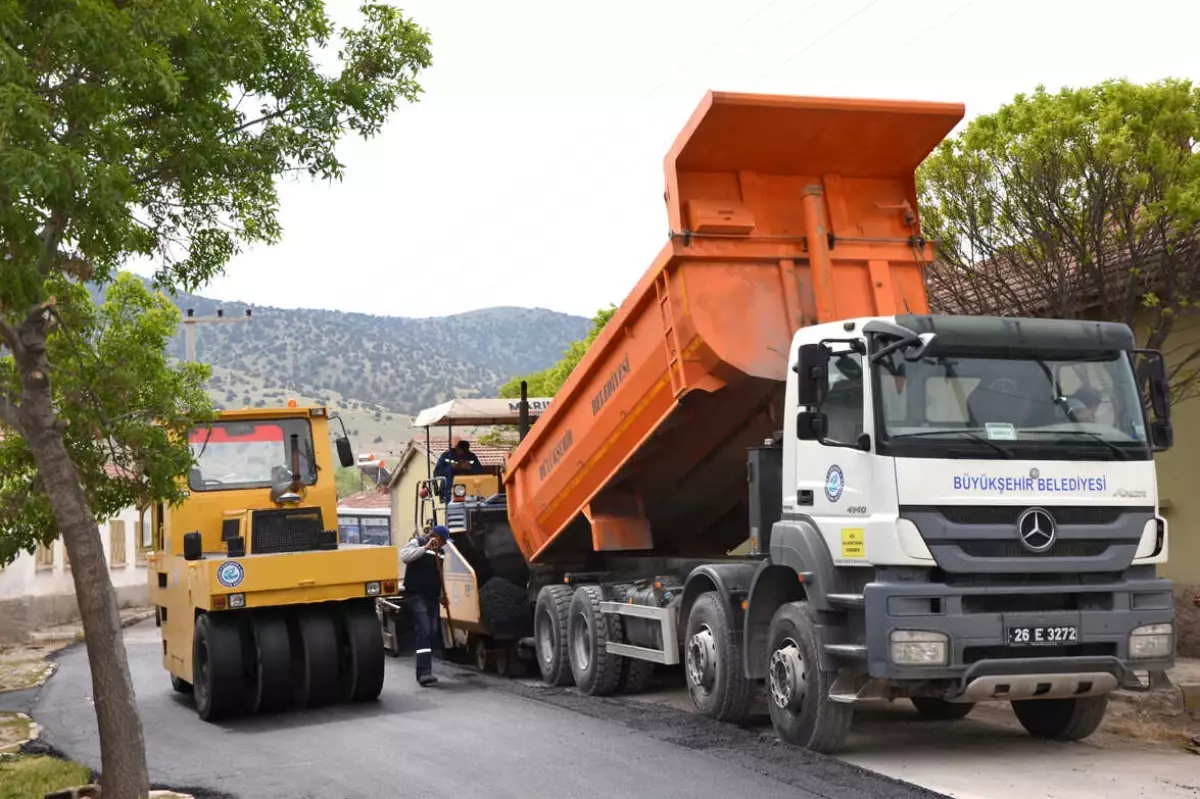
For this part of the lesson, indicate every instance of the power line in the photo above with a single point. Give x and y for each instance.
(815, 42)
(937, 24)
(687, 62)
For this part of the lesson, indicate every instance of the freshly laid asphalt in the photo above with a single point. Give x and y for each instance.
(473, 735)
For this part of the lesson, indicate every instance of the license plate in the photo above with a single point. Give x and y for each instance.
(1042, 636)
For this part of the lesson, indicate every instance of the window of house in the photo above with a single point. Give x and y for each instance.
(116, 544)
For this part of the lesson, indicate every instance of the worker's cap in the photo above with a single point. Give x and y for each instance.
(442, 532)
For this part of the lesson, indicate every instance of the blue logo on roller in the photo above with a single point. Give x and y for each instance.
(230, 574)
(835, 483)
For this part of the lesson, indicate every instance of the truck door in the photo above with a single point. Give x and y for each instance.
(836, 472)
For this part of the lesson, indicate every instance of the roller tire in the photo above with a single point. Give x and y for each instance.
(934, 709)
(360, 653)
(314, 649)
(218, 669)
(820, 724)
(272, 652)
(731, 694)
(596, 671)
(181, 686)
(1062, 719)
(550, 620)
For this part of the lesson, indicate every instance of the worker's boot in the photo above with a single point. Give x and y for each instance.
(426, 680)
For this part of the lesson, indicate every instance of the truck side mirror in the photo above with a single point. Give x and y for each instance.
(345, 453)
(812, 368)
(1160, 388)
(811, 426)
(1162, 435)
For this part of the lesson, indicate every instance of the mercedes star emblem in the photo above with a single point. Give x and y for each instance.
(1036, 528)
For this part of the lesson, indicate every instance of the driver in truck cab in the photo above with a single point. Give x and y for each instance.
(423, 586)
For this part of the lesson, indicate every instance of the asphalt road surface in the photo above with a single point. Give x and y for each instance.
(472, 736)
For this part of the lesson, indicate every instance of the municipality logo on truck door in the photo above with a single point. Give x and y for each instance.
(835, 483)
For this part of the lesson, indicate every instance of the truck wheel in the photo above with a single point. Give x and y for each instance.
(1061, 719)
(480, 656)
(801, 711)
(596, 671)
(314, 657)
(218, 679)
(635, 676)
(273, 662)
(550, 634)
(360, 653)
(180, 686)
(713, 662)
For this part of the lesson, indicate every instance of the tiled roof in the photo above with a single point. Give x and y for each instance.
(488, 455)
(363, 500)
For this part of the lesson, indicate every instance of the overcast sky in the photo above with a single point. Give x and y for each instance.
(530, 173)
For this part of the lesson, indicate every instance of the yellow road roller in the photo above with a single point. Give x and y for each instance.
(261, 609)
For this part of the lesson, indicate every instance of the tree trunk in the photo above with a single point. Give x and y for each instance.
(122, 743)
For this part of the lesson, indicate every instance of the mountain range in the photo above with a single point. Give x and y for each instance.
(376, 371)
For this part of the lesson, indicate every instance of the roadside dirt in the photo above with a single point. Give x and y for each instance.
(14, 729)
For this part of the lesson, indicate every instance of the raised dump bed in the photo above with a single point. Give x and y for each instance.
(784, 212)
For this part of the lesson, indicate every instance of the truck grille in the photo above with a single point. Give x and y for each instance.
(966, 539)
(276, 531)
(1007, 514)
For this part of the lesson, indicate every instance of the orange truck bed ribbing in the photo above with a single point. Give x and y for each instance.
(784, 212)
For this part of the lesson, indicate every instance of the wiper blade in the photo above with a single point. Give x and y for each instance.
(972, 434)
(1095, 436)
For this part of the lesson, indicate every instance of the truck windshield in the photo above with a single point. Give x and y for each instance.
(1011, 406)
(239, 455)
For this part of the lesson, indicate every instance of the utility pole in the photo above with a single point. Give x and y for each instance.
(190, 321)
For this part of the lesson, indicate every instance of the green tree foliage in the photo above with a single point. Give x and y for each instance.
(129, 411)
(153, 129)
(548, 381)
(349, 481)
(1083, 203)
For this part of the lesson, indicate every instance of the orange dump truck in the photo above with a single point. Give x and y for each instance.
(774, 464)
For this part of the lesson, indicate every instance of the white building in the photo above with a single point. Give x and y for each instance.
(37, 591)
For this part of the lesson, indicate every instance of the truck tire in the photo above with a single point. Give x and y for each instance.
(218, 677)
(550, 634)
(797, 689)
(1061, 719)
(360, 653)
(596, 671)
(635, 676)
(481, 654)
(314, 656)
(273, 662)
(935, 709)
(180, 686)
(713, 662)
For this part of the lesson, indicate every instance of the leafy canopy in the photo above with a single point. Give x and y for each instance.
(1084, 203)
(151, 129)
(157, 128)
(129, 410)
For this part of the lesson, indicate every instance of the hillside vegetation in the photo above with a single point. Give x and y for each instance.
(376, 371)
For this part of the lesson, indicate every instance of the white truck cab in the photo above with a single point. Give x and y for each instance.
(971, 503)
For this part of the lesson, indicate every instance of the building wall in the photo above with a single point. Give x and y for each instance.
(404, 497)
(37, 591)
(1179, 495)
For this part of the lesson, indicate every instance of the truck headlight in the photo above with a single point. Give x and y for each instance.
(237, 601)
(460, 491)
(373, 589)
(1152, 641)
(919, 648)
